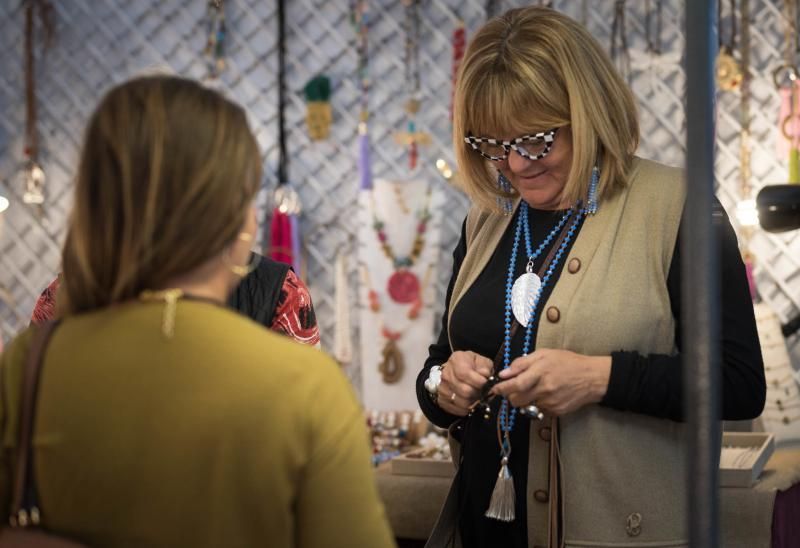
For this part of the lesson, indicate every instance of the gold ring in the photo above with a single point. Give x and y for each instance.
(452, 397)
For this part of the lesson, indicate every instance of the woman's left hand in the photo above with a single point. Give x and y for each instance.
(556, 381)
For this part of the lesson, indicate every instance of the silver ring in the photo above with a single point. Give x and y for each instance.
(452, 397)
(531, 411)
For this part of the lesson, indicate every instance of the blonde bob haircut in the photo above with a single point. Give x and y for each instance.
(534, 69)
(166, 174)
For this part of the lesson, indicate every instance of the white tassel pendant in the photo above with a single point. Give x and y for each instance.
(501, 507)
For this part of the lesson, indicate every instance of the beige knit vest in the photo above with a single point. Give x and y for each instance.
(623, 475)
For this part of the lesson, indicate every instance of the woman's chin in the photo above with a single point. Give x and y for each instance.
(541, 198)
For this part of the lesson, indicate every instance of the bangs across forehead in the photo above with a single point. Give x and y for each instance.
(503, 105)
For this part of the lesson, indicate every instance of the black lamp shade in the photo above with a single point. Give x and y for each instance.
(779, 207)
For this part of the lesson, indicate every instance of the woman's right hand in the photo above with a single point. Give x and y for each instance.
(463, 376)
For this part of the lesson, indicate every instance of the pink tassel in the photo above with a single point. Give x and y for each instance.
(751, 281)
(294, 228)
(280, 248)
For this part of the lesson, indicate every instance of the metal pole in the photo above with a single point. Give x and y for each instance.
(700, 275)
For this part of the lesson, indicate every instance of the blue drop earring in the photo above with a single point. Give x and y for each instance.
(591, 205)
(506, 204)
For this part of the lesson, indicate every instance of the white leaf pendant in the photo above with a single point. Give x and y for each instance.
(523, 294)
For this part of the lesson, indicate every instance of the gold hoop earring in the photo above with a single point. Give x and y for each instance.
(246, 270)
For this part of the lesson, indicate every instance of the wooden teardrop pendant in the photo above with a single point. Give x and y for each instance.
(392, 365)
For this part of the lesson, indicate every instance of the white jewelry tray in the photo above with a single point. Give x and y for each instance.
(413, 464)
(744, 455)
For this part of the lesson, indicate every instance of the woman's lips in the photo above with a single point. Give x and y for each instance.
(531, 178)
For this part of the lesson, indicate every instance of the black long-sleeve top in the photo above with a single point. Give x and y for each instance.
(648, 384)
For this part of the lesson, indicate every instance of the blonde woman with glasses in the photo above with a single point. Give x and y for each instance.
(558, 366)
(164, 418)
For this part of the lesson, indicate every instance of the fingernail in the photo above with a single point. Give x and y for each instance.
(504, 374)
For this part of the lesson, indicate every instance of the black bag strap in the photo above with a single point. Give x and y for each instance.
(25, 501)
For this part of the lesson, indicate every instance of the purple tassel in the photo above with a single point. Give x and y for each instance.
(364, 166)
(295, 224)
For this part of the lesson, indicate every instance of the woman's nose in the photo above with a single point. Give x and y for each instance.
(517, 163)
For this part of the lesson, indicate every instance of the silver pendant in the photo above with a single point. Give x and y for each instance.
(523, 294)
(34, 179)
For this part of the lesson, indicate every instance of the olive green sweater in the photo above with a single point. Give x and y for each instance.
(225, 435)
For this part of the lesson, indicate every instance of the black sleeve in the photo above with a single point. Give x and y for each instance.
(653, 384)
(439, 352)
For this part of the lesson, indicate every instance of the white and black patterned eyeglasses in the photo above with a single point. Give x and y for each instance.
(532, 147)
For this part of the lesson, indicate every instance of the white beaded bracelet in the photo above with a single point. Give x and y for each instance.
(434, 380)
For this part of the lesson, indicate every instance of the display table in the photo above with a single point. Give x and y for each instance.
(751, 517)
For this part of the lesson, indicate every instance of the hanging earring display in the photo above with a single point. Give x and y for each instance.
(619, 41)
(403, 285)
(412, 138)
(318, 113)
(33, 176)
(215, 43)
(729, 73)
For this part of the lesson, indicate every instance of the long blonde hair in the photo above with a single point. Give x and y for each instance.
(167, 170)
(533, 69)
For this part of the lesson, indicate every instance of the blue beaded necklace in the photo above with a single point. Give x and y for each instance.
(502, 504)
(506, 417)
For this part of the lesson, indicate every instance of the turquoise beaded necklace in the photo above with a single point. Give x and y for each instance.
(501, 506)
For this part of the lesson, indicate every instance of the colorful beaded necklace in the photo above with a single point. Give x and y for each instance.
(403, 285)
(215, 43)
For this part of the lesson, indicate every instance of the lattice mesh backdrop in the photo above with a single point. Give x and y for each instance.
(102, 42)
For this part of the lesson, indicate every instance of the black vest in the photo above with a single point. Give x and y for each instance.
(258, 293)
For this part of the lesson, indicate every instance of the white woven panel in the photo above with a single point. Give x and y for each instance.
(103, 42)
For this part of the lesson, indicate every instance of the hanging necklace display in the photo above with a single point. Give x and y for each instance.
(403, 285)
(619, 53)
(584, 13)
(400, 197)
(412, 138)
(729, 73)
(359, 20)
(342, 339)
(33, 175)
(459, 46)
(491, 8)
(653, 35)
(392, 362)
(746, 212)
(654, 60)
(786, 82)
(284, 233)
(215, 42)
